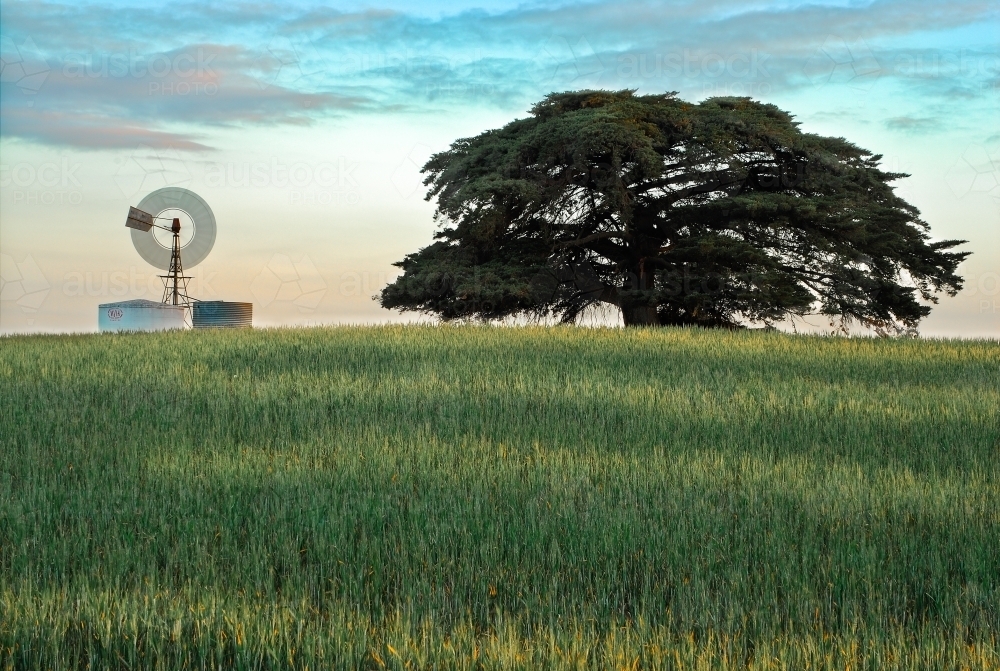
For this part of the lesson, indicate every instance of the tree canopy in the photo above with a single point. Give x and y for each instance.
(721, 213)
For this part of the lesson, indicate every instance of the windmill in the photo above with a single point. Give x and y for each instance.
(177, 309)
(148, 215)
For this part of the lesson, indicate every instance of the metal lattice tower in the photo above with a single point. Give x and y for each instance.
(175, 282)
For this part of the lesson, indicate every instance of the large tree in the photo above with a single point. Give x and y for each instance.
(721, 213)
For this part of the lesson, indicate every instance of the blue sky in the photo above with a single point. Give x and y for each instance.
(102, 102)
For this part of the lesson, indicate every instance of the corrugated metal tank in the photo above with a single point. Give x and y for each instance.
(221, 314)
(139, 315)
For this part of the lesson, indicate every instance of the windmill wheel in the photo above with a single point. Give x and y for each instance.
(194, 206)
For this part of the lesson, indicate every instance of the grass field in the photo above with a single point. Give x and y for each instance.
(473, 497)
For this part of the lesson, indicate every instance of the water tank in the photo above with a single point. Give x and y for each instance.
(139, 315)
(221, 314)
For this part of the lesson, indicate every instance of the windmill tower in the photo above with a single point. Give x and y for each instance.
(175, 282)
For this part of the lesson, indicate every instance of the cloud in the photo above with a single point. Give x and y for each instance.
(278, 64)
(113, 99)
(912, 124)
(90, 131)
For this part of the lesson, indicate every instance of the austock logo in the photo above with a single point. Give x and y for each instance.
(23, 284)
(580, 280)
(22, 65)
(324, 183)
(283, 280)
(561, 61)
(839, 61)
(183, 73)
(48, 183)
(286, 62)
(781, 174)
(146, 169)
(976, 171)
(407, 178)
(134, 282)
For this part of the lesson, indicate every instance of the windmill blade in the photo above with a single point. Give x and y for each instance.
(139, 220)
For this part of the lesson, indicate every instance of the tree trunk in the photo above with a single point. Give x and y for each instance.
(640, 315)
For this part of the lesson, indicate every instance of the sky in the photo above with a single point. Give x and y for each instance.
(304, 127)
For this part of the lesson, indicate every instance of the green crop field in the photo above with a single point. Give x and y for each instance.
(476, 497)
